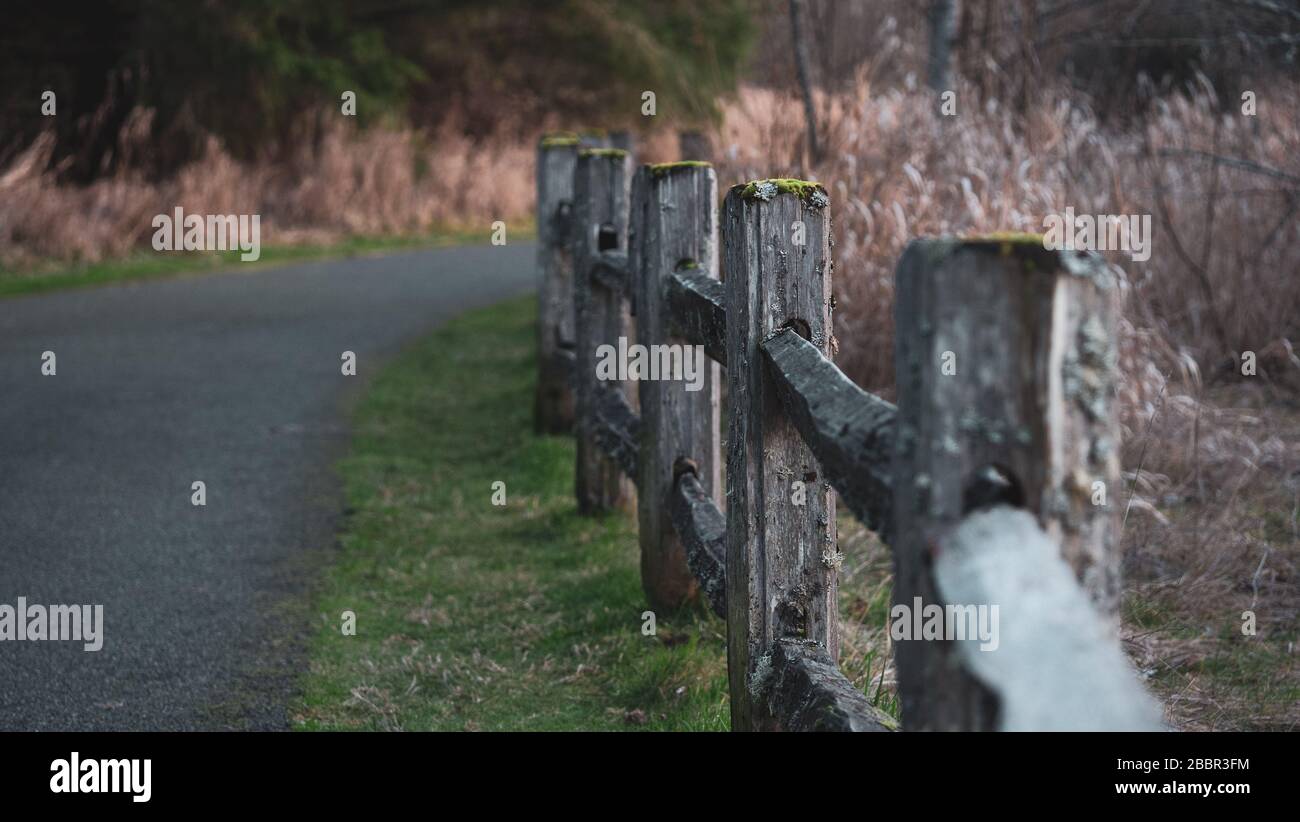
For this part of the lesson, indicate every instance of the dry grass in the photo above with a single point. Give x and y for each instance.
(897, 170)
(1211, 473)
(348, 183)
(1211, 457)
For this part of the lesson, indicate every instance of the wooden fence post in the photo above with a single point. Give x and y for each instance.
(623, 140)
(1004, 363)
(600, 190)
(782, 558)
(694, 145)
(557, 155)
(674, 228)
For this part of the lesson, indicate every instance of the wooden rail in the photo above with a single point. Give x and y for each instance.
(850, 431)
(703, 531)
(1057, 667)
(698, 310)
(982, 479)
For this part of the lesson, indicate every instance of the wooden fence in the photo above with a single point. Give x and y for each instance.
(990, 480)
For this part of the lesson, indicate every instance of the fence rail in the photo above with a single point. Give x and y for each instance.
(699, 313)
(982, 479)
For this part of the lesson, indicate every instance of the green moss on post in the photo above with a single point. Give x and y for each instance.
(1029, 248)
(658, 170)
(559, 139)
(811, 193)
(616, 153)
(1017, 237)
(1006, 241)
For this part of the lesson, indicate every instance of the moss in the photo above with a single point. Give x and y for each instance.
(811, 193)
(617, 153)
(560, 139)
(658, 170)
(1006, 239)
(1025, 246)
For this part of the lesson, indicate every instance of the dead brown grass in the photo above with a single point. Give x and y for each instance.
(1211, 457)
(348, 183)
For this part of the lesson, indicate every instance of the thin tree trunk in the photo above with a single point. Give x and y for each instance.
(943, 23)
(797, 32)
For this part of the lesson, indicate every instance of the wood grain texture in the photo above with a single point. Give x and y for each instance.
(805, 691)
(1024, 420)
(553, 407)
(698, 312)
(782, 558)
(702, 529)
(850, 431)
(600, 317)
(616, 428)
(674, 223)
(609, 270)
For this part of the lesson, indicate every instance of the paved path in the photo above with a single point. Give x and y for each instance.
(232, 379)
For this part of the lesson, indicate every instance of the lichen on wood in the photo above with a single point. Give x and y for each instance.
(805, 691)
(813, 194)
(660, 170)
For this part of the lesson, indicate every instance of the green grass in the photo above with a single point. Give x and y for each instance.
(1231, 681)
(474, 616)
(152, 264)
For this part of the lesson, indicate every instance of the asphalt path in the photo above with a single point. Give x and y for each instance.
(232, 379)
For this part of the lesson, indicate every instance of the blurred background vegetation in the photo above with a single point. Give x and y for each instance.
(257, 74)
(246, 71)
(1104, 106)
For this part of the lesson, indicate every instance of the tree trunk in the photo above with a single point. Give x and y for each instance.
(943, 24)
(797, 32)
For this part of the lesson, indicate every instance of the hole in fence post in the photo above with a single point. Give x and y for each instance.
(607, 238)
(685, 465)
(799, 327)
(561, 218)
(992, 485)
(685, 264)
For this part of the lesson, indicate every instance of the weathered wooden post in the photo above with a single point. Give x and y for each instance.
(674, 228)
(601, 317)
(557, 155)
(1004, 360)
(594, 138)
(782, 558)
(623, 140)
(694, 145)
